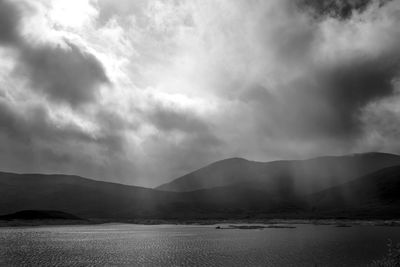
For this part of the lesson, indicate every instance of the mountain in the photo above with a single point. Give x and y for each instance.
(80, 196)
(374, 195)
(291, 177)
(232, 189)
(240, 201)
(88, 198)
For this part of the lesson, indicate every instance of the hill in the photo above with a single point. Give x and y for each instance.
(77, 195)
(374, 195)
(94, 199)
(273, 190)
(292, 177)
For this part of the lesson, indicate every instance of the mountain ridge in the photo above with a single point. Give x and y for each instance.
(223, 172)
(246, 198)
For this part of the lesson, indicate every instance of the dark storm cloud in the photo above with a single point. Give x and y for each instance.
(34, 123)
(342, 9)
(326, 100)
(327, 103)
(64, 73)
(349, 87)
(9, 21)
(32, 141)
(31, 138)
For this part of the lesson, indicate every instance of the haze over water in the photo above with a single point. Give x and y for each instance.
(161, 245)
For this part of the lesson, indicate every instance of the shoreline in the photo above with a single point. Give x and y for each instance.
(210, 222)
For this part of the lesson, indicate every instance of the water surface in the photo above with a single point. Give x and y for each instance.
(189, 245)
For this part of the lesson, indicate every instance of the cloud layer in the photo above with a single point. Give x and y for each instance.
(141, 92)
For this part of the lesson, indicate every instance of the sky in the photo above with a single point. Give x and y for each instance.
(143, 91)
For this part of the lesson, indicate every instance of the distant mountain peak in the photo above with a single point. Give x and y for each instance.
(319, 172)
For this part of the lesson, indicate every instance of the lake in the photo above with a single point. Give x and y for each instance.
(193, 245)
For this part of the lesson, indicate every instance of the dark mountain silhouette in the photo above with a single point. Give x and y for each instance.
(40, 215)
(81, 196)
(376, 194)
(94, 199)
(298, 177)
(240, 201)
(233, 188)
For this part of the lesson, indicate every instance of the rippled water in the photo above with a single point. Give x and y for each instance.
(163, 245)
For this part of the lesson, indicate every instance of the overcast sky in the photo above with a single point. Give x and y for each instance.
(140, 92)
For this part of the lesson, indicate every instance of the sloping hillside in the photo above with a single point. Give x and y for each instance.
(80, 196)
(283, 177)
(374, 195)
(94, 199)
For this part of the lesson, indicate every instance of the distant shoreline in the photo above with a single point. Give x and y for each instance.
(334, 222)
